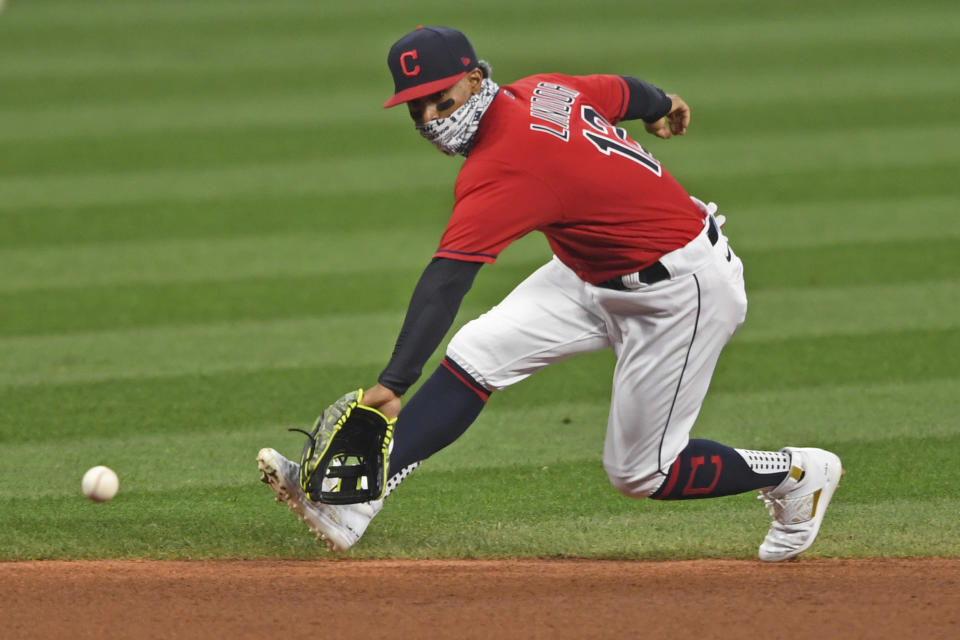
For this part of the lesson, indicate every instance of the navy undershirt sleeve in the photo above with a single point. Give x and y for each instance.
(646, 101)
(433, 307)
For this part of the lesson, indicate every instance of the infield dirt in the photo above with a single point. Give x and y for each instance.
(809, 598)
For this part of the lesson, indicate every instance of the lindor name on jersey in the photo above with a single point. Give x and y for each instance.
(552, 104)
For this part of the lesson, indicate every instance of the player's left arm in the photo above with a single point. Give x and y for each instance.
(663, 114)
(674, 123)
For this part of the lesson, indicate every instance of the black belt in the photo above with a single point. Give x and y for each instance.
(657, 272)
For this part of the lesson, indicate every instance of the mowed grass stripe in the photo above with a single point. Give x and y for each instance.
(844, 150)
(775, 185)
(304, 105)
(820, 19)
(776, 312)
(825, 362)
(198, 350)
(175, 404)
(148, 461)
(211, 147)
(373, 82)
(179, 403)
(120, 14)
(56, 316)
(653, 530)
(142, 305)
(328, 263)
(879, 358)
(179, 266)
(152, 461)
(903, 65)
(822, 311)
(198, 523)
(928, 462)
(854, 264)
(546, 433)
(313, 55)
(750, 225)
(717, 108)
(857, 485)
(331, 253)
(862, 219)
(228, 216)
(284, 37)
(150, 465)
(888, 108)
(797, 178)
(842, 147)
(325, 173)
(458, 502)
(167, 525)
(846, 414)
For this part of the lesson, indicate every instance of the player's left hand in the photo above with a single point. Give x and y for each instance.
(676, 121)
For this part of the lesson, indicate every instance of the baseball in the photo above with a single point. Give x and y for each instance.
(100, 484)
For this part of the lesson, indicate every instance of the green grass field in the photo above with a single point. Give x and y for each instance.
(209, 229)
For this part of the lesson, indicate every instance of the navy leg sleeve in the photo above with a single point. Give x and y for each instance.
(707, 469)
(437, 414)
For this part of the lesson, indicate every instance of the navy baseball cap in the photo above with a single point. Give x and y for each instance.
(427, 60)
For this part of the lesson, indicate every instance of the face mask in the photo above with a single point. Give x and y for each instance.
(455, 133)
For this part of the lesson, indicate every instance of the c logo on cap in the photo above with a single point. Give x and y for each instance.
(403, 63)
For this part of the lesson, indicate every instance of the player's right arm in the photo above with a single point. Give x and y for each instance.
(433, 307)
(496, 204)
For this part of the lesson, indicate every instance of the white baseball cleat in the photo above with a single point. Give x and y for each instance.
(339, 526)
(798, 503)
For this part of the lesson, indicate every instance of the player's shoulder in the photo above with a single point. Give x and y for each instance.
(578, 83)
(608, 93)
(525, 87)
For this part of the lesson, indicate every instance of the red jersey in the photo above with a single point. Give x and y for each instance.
(548, 158)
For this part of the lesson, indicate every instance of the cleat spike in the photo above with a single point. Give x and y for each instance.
(339, 527)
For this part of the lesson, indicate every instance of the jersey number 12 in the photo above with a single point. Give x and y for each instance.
(610, 139)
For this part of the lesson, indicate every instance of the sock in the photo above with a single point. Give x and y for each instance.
(708, 469)
(437, 414)
(398, 477)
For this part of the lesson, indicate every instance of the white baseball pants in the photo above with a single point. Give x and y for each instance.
(667, 337)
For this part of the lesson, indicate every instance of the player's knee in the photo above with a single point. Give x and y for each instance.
(467, 350)
(636, 485)
(473, 370)
(466, 340)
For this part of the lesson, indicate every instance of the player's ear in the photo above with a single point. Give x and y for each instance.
(475, 80)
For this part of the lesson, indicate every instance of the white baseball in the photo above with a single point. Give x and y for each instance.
(100, 484)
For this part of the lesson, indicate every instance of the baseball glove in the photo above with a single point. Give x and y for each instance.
(346, 457)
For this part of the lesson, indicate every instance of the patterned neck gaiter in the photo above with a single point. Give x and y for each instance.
(455, 133)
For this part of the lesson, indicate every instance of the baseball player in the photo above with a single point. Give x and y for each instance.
(639, 267)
